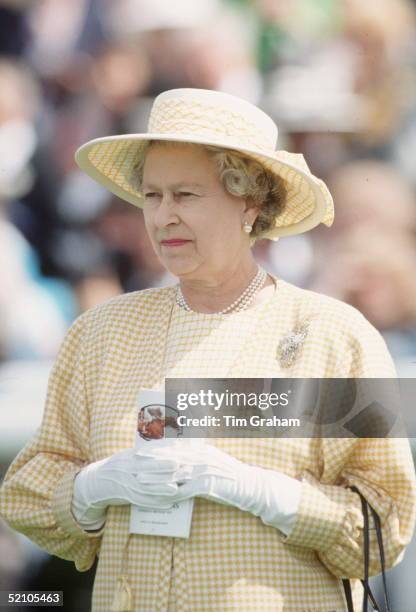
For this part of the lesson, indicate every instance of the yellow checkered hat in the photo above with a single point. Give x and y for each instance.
(213, 118)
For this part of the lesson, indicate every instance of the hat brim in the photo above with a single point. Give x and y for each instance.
(109, 160)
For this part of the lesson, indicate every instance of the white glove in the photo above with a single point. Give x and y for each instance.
(211, 473)
(126, 477)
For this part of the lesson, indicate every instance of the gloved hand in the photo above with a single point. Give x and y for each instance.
(126, 477)
(213, 474)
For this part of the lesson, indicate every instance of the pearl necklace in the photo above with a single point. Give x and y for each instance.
(240, 303)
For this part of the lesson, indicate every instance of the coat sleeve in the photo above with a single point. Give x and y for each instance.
(36, 494)
(330, 518)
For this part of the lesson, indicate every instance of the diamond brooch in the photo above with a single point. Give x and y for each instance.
(290, 345)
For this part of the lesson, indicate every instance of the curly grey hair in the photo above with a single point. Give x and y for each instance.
(241, 176)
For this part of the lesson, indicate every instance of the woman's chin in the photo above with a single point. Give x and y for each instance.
(178, 268)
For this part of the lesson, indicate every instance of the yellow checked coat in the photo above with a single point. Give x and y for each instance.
(232, 561)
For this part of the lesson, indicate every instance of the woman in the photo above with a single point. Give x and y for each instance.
(274, 525)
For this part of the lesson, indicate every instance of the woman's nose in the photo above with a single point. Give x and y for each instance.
(166, 211)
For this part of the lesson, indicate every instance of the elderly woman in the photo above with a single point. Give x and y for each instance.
(275, 523)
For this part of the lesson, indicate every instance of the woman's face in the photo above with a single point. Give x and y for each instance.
(184, 199)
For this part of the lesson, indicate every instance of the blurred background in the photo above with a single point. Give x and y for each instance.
(338, 77)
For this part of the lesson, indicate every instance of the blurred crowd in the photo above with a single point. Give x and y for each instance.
(338, 77)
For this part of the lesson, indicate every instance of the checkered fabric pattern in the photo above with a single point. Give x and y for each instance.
(232, 561)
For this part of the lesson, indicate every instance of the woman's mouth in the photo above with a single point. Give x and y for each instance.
(174, 243)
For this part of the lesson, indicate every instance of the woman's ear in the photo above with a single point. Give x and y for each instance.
(251, 210)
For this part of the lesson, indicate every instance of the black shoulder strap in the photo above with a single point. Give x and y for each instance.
(377, 524)
(348, 596)
(367, 591)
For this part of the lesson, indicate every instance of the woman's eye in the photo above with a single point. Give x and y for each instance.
(150, 195)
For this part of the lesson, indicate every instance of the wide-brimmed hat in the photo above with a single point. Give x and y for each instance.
(203, 116)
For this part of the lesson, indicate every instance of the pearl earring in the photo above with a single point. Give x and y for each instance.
(247, 227)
